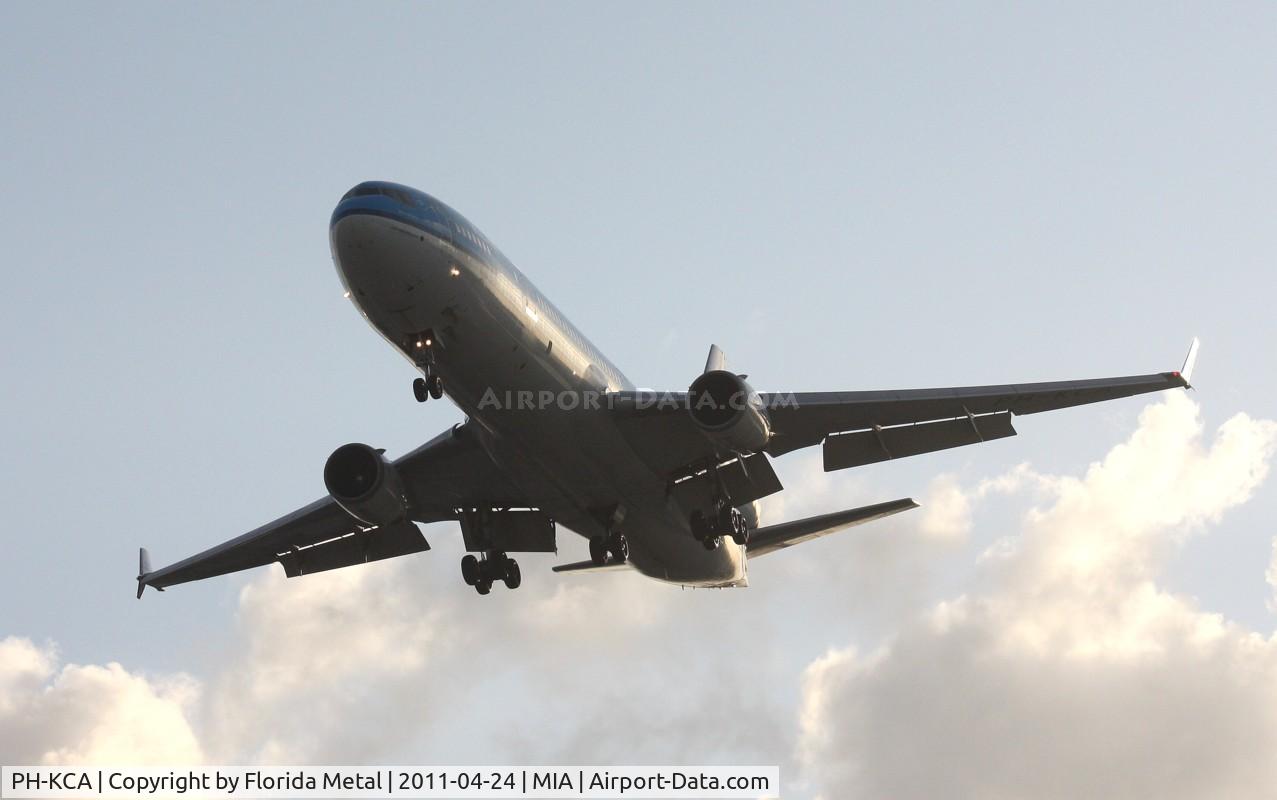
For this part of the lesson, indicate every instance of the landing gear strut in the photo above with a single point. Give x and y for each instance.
(614, 545)
(737, 527)
(619, 546)
(493, 567)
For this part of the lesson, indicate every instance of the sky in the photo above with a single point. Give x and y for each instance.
(843, 196)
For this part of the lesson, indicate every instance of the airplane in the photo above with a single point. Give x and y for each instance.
(665, 483)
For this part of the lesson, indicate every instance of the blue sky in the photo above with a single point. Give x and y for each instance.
(867, 196)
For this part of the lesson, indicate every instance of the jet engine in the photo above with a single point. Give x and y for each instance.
(729, 412)
(365, 484)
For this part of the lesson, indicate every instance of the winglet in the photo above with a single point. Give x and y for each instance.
(1186, 371)
(143, 569)
(716, 361)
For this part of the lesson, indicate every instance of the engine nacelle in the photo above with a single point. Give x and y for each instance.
(729, 412)
(365, 484)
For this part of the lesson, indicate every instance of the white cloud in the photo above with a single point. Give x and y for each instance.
(331, 668)
(355, 665)
(1066, 671)
(24, 668)
(1272, 578)
(83, 714)
(331, 652)
(946, 510)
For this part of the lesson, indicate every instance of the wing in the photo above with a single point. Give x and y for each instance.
(451, 471)
(867, 426)
(955, 416)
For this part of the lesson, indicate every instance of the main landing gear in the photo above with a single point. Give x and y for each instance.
(493, 567)
(726, 521)
(425, 388)
(614, 544)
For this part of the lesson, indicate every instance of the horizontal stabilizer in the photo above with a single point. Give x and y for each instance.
(589, 566)
(787, 534)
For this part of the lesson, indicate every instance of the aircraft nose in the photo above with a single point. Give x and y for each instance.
(400, 203)
(377, 264)
(366, 197)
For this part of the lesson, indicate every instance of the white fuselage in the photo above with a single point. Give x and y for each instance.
(500, 347)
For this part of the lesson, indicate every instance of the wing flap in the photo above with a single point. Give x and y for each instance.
(787, 534)
(359, 547)
(743, 481)
(881, 444)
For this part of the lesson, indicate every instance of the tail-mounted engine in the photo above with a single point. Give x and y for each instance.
(729, 412)
(365, 484)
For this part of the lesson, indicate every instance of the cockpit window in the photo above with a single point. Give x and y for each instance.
(361, 191)
(401, 196)
(398, 195)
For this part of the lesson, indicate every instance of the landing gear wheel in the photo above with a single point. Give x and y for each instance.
(512, 575)
(420, 390)
(618, 547)
(724, 520)
(470, 570)
(434, 385)
(598, 551)
(484, 586)
(711, 542)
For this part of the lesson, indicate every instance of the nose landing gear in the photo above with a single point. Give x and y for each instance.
(425, 388)
(431, 385)
(493, 567)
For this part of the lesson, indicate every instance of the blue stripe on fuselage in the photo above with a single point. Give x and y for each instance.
(418, 219)
(431, 217)
(421, 211)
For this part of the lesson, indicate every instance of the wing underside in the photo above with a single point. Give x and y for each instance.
(448, 473)
(803, 419)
